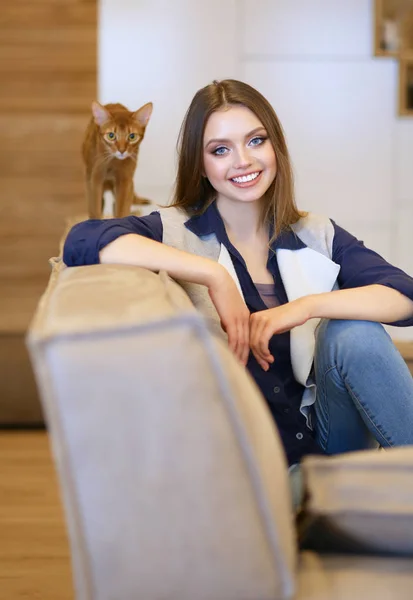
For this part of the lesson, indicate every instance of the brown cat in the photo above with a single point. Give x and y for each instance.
(110, 152)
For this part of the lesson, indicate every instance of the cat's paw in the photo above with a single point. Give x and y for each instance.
(139, 200)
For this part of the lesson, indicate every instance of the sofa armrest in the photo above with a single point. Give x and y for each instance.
(173, 476)
(360, 502)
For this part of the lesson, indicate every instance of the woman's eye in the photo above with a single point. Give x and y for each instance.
(132, 137)
(257, 141)
(220, 151)
(111, 136)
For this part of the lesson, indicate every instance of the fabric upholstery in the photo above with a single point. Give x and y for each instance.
(173, 477)
(362, 500)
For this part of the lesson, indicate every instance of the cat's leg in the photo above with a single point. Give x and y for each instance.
(109, 186)
(123, 198)
(94, 188)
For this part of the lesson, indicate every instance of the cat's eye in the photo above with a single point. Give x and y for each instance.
(111, 136)
(132, 137)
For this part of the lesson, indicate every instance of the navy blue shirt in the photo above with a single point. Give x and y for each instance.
(359, 267)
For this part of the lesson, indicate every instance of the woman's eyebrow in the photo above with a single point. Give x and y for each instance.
(226, 141)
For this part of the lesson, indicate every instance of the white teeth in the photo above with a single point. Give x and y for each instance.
(245, 178)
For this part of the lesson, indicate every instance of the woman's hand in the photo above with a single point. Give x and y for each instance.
(232, 311)
(266, 323)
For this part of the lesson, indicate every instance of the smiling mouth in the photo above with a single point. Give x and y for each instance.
(245, 180)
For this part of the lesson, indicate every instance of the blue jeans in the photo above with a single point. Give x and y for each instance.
(364, 388)
(364, 392)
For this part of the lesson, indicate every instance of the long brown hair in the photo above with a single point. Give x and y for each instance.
(193, 192)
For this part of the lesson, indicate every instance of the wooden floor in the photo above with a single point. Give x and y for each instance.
(34, 552)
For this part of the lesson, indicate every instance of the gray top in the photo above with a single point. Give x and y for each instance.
(267, 293)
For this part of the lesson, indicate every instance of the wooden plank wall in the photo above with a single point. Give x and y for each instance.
(48, 73)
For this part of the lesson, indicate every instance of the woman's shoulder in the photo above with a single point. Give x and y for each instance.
(178, 233)
(316, 231)
(314, 224)
(312, 220)
(173, 214)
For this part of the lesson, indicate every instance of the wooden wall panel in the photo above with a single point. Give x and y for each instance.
(18, 299)
(48, 72)
(48, 14)
(25, 257)
(43, 204)
(44, 146)
(19, 395)
(66, 93)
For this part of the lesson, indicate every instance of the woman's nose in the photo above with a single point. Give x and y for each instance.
(242, 158)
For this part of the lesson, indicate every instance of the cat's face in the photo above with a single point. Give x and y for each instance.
(121, 130)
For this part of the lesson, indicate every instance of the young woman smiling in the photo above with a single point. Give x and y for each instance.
(300, 299)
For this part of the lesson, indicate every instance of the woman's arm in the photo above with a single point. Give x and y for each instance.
(86, 239)
(370, 303)
(132, 249)
(371, 289)
(361, 267)
(138, 241)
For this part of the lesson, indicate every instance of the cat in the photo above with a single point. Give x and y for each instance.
(110, 153)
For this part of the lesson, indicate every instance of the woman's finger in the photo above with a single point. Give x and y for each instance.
(263, 363)
(258, 326)
(231, 330)
(265, 336)
(245, 341)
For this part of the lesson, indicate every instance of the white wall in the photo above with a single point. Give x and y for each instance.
(352, 155)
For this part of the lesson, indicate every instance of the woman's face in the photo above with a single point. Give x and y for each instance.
(239, 159)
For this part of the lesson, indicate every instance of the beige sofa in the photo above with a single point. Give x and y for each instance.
(173, 477)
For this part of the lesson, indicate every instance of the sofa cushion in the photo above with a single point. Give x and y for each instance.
(359, 502)
(338, 577)
(173, 476)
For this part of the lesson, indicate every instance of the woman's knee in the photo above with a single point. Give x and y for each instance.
(355, 337)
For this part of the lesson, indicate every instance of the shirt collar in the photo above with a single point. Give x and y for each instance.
(210, 222)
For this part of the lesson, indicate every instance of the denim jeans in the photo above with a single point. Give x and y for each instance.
(364, 388)
(364, 392)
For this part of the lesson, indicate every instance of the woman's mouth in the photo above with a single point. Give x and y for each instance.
(246, 180)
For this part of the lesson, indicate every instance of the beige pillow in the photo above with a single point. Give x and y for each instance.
(359, 502)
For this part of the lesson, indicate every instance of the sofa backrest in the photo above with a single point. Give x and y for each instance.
(173, 476)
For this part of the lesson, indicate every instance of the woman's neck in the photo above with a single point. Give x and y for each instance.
(241, 220)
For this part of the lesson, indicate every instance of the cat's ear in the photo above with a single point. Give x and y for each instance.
(143, 114)
(100, 114)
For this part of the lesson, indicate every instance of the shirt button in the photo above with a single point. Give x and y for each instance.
(276, 389)
(299, 436)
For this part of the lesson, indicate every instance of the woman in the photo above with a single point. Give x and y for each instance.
(272, 273)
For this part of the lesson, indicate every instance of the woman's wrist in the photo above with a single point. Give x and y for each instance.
(310, 305)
